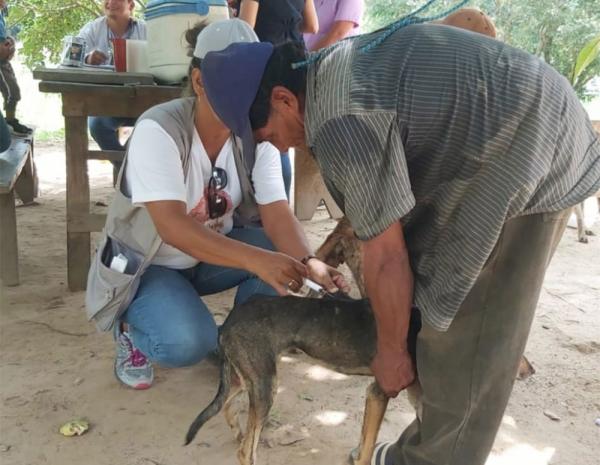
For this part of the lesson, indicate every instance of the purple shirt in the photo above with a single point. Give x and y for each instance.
(330, 11)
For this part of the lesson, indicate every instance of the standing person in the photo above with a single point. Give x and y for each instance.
(184, 187)
(4, 130)
(8, 81)
(117, 22)
(445, 149)
(277, 21)
(4, 134)
(338, 19)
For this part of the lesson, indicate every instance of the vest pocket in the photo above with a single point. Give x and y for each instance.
(109, 291)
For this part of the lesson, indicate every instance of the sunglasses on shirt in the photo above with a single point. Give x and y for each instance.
(217, 202)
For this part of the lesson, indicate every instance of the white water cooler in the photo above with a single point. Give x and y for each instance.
(167, 21)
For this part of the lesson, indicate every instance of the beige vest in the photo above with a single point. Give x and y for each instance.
(129, 230)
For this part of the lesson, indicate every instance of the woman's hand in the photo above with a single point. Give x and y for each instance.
(330, 278)
(280, 271)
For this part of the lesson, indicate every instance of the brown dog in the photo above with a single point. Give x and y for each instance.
(582, 231)
(338, 332)
(342, 246)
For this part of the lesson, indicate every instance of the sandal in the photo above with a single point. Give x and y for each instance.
(380, 454)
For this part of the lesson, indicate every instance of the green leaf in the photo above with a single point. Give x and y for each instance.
(586, 56)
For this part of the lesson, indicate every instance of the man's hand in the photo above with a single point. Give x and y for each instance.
(12, 47)
(328, 277)
(7, 49)
(96, 58)
(280, 271)
(393, 369)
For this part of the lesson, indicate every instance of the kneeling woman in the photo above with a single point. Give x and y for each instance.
(172, 232)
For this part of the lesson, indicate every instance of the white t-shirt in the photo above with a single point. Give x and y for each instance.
(154, 172)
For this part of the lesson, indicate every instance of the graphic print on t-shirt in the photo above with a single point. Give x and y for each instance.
(200, 211)
(154, 173)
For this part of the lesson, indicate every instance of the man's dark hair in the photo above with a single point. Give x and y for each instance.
(279, 72)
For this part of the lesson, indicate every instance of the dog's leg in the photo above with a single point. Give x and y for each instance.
(260, 394)
(232, 414)
(581, 233)
(413, 394)
(375, 406)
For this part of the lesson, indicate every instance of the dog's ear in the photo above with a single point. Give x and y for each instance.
(331, 251)
(345, 228)
(338, 244)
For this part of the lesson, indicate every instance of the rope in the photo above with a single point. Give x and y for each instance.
(404, 21)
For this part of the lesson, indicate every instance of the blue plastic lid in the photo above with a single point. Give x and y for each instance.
(158, 8)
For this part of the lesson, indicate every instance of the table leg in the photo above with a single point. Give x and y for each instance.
(78, 201)
(9, 251)
(309, 188)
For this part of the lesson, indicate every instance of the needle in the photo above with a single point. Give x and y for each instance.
(315, 287)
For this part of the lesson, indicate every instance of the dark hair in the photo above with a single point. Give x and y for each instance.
(279, 72)
(191, 35)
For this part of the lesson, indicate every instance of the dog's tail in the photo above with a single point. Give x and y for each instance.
(217, 403)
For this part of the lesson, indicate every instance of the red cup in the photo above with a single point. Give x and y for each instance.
(120, 54)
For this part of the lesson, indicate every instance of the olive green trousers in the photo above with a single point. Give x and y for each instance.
(467, 373)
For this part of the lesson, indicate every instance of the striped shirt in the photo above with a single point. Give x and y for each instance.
(453, 133)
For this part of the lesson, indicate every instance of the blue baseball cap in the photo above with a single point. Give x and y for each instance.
(231, 78)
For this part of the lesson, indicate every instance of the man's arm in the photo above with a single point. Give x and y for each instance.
(249, 12)
(310, 22)
(389, 283)
(337, 32)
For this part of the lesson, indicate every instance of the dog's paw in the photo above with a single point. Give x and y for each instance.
(589, 232)
(353, 456)
(583, 239)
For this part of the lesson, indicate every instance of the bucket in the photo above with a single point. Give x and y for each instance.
(167, 21)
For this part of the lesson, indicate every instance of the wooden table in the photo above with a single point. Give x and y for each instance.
(93, 93)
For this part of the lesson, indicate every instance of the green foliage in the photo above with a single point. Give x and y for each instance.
(44, 23)
(43, 135)
(555, 30)
(586, 57)
(382, 12)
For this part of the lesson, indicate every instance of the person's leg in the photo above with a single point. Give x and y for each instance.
(167, 320)
(4, 87)
(467, 373)
(12, 96)
(10, 90)
(104, 130)
(210, 279)
(286, 172)
(4, 134)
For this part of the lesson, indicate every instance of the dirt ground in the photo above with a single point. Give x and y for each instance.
(55, 367)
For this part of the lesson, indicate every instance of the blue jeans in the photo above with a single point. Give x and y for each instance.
(286, 172)
(104, 131)
(4, 134)
(168, 321)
